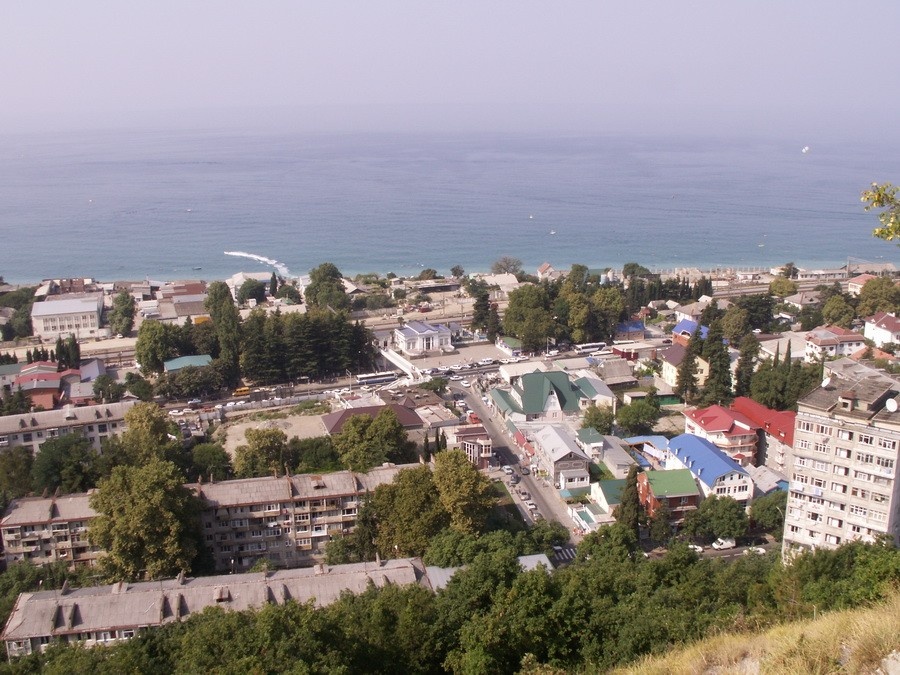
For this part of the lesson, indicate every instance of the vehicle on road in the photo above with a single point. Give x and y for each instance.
(531, 506)
(754, 550)
(176, 413)
(525, 470)
(525, 495)
(187, 411)
(507, 469)
(721, 544)
(241, 391)
(455, 378)
(486, 362)
(465, 383)
(695, 548)
(514, 479)
(195, 403)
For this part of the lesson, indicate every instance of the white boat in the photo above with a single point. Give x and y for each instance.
(552, 231)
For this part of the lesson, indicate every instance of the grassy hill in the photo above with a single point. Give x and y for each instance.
(854, 641)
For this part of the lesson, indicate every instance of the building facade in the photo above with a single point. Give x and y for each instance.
(94, 422)
(417, 338)
(78, 317)
(828, 342)
(47, 530)
(843, 465)
(730, 431)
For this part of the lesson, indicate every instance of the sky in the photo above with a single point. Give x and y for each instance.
(783, 68)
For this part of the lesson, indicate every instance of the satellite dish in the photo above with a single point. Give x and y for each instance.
(891, 405)
(826, 382)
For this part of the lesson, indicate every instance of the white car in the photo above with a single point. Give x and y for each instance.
(455, 378)
(465, 383)
(531, 506)
(507, 469)
(722, 544)
(176, 413)
(486, 362)
(695, 548)
(754, 550)
(522, 358)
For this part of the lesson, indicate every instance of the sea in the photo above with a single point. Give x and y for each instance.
(188, 204)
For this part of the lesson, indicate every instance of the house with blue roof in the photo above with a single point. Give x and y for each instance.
(632, 329)
(716, 473)
(196, 361)
(685, 328)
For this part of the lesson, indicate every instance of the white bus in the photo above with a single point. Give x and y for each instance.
(377, 378)
(588, 347)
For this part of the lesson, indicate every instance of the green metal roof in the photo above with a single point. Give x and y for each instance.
(535, 388)
(675, 483)
(589, 435)
(504, 401)
(511, 342)
(612, 490)
(585, 385)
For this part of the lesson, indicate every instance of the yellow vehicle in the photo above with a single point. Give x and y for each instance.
(241, 391)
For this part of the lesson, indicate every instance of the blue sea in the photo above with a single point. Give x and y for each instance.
(206, 204)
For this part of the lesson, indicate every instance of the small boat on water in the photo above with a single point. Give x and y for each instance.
(552, 231)
(197, 268)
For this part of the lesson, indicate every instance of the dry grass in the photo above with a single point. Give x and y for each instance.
(854, 641)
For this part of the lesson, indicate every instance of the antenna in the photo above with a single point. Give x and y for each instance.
(891, 405)
(826, 382)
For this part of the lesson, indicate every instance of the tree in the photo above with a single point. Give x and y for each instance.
(600, 418)
(252, 289)
(273, 285)
(717, 517)
(633, 269)
(879, 295)
(686, 382)
(15, 472)
(735, 324)
(147, 522)
(156, 344)
(782, 286)
(121, 316)
(107, 389)
(660, 525)
(789, 271)
(264, 453)
(759, 310)
(884, 197)
(409, 513)
(289, 292)
(326, 288)
(146, 435)
(67, 463)
(746, 365)
(630, 513)
(767, 512)
(227, 324)
(506, 265)
(385, 435)
(717, 388)
(637, 417)
(457, 271)
(209, 461)
(464, 492)
(838, 312)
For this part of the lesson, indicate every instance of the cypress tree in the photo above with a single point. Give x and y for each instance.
(630, 512)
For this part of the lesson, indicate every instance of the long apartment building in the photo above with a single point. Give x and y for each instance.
(94, 422)
(46, 530)
(843, 465)
(286, 520)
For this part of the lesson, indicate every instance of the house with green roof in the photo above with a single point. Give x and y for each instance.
(542, 397)
(197, 361)
(607, 494)
(676, 488)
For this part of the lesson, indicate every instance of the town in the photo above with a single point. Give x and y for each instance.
(298, 438)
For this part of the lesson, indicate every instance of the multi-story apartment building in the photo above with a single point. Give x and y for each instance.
(729, 430)
(776, 429)
(828, 342)
(843, 466)
(94, 422)
(46, 530)
(285, 520)
(79, 317)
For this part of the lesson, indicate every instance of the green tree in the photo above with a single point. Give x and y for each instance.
(146, 435)
(630, 512)
(464, 492)
(386, 436)
(273, 285)
(717, 517)
(810, 318)
(838, 312)
(782, 287)
(67, 463)
(506, 265)
(156, 343)
(600, 418)
(660, 525)
(749, 353)
(138, 386)
(686, 385)
(494, 324)
(884, 198)
(121, 316)
(209, 461)
(227, 324)
(409, 513)
(15, 472)
(759, 310)
(289, 292)
(480, 310)
(879, 295)
(735, 324)
(252, 289)
(107, 389)
(457, 271)
(147, 522)
(637, 418)
(789, 271)
(767, 512)
(633, 269)
(717, 388)
(326, 288)
(266, 452)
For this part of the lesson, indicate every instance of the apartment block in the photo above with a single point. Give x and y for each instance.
(46, 530)
(94, 422)
(843, 465)
(70, 316)
(286, 520)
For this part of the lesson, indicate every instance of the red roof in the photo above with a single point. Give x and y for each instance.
(777, 423)
(886, 321)
(335, 421)
(716, 419)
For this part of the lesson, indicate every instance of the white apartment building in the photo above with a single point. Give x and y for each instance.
(843, 465)
(93, 422)
(828, 342)
(79, 317)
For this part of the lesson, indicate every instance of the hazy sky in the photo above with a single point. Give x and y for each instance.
(785, 68)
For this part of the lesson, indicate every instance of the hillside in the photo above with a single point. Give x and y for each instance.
(853, 641)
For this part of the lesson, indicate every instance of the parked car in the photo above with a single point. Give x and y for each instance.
(525, 470)
(176, 413)
(525, 495)
(695, 548)
(507, 469)
(754, 550)
(486, 361)
(514, 479)
(721, 544)
(195, 402)
(531, 506)
(465, 383)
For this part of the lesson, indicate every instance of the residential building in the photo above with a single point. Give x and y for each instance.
(882, 329)
(104, 615)
(776, 429)
(803, 299)
(855, 285)
(473, 440)
(613, 452)
(45, 530)
(731, 431)
(676, 488)
(287, 520)
(716, 473)
(671, 359)
(558, 455)
(607, 494)
(94, 423)
(684, 329)
(197, 361)
(828, 342)
(417, 338)
(629, 330)
(78, 317)
(843, 466)
(335, 421)
(542, 396)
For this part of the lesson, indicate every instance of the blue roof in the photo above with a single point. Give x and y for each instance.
(689, 327)
(658, 442)
(704, 459)
(630, 326)
(185, 361)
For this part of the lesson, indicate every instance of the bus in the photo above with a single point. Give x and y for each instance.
(241, 391)
(377, 378)
(589, 347)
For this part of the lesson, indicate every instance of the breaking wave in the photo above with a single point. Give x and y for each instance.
(279, 267)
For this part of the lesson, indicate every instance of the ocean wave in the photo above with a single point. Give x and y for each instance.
(279, 267)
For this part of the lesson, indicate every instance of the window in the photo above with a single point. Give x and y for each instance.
(835, 522)
(861, 475)
(804, 426)
(879, 498)
(841, 471)
(818, 482)
(800, 478)
(801, 462)
(865, 457)
(866, 439)
(884, 463)
(859, 492)
(822, 430)
(839, 487)
(832, 539)
(887, 444)
(858, 510)
(820, 466)
(878, 515)
(843, 453)
(822, 446)
(803, 444)
(845, 435)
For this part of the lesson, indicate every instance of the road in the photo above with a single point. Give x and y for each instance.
(542, 493)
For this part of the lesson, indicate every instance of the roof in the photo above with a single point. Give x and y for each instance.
(612, 490)
(673, 483)
(153, 603)
(33, 510)
(67, 306)
(631, 326)
(439, 577)
(589, 436)
(885, 321)
(777, 423)
(64, 417)
(861, 279)
(184, 361)
(674, 354)
(868, 388)
(832, 335)
(616, 371)
(718, 420)
(704, 459)
(335, 421)
(535, 388)
(413, 328)
(767, 479)
(687, 328)
(557, 443)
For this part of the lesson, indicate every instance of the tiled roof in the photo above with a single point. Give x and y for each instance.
(716, 419)
(704, 459)
(335, 421)
(832, 335)
(777, 423)
(674, 354)
(886, 321)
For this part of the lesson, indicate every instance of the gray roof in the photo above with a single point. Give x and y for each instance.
(153, 603)
(37, 510)
(68, 306)
(439, 577)
(558, 443)
(66, 417)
